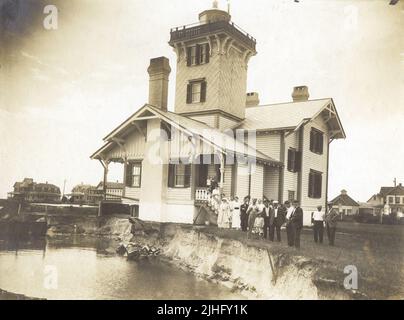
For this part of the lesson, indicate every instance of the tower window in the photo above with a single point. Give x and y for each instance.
(316, 141)
(196, 91)
(315, 184)
(198, 54)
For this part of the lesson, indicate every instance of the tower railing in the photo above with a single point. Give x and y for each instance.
(192, 31)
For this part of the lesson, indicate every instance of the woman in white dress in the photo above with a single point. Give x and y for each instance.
(235, 213)
(223, 219)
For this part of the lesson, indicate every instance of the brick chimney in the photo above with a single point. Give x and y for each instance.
(252, 100)
(159, 71)
(300, 93)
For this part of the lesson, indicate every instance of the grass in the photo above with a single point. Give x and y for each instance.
(376, 251)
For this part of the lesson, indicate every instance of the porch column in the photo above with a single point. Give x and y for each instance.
(105, 180)
(221, 172)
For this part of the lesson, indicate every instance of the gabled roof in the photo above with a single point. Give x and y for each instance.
(344, 200)
(289, 115)
(209, 135)
(111, 185)
(392, 191)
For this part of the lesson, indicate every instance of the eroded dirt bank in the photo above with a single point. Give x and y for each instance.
(257, 269)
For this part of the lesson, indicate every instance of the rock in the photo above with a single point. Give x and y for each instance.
(121, 250)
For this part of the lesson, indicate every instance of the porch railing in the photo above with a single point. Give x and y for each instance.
(202, 194)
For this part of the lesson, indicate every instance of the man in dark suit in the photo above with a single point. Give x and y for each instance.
(276, 220)
(267, 217)
(296, 221)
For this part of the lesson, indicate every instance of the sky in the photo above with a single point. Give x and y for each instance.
(62, 90)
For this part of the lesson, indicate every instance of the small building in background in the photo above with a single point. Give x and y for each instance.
(80, 193)
(345, 205)
(391, 198)
(114, 190)
(30, 191)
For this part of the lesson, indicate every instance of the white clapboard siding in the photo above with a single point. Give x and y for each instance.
(243, 179)
(135, 146)
(181, 194)
(269, 144)
(210, 120)
(226, 123)
(131, 193)
(314, 161)
(271, 183)
(257, 181)
(227, 180)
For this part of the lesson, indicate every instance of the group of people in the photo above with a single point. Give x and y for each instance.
(265, 218)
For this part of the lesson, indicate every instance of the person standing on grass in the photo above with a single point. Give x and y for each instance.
(331, 218)
(266, 212)
(289, 211)
(252, 213)
(296, 221)
(317, 220)
(244, 214)
(223, 219)
(259, 225)
(277, 219)
(235, 213)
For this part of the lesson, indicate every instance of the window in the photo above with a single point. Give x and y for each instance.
(397, 200)
(349, 212)
(315, 184)
(196, 91)
(134, 174)
(198, 54)
(294, 160)
(179, 175)
(291, 195)
(316, 141)
(391, 200)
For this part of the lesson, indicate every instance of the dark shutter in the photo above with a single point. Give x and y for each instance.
(198, 54)
(320, 142)
(290, 160)
(312, 138)
(318, 185)
(203, 91)
(128, 178)
(189, 93)
(187, 178)
(310, 185)
(171, 172)
(189, 57)
(298, 161)
(207, 52)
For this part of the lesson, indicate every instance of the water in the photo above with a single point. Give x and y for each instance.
(85, 269)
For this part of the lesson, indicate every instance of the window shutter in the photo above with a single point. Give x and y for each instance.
(320, 142)
(310, 185)
(312, 138)
(128, 178)
(298, 161)
(203, 91)
(290, 151)
(198, 54)
(318, 185)
(187, 178)
(189, 93)
(171, 175)
(189, 57)
(207, 52)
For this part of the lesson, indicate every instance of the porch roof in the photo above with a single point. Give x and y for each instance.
(219, 140)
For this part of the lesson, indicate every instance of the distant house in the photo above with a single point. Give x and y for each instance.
(344, 204)
(30, 191)
(114, 190)
(393, 197)
(80, 193)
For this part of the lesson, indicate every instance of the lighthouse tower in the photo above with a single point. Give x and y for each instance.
(212, 61)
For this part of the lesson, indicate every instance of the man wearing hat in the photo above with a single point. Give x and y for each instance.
(296, 222)
(317, 219)
(276, 220)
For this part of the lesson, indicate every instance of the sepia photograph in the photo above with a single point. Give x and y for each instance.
(219, 151)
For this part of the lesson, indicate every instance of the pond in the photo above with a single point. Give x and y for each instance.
(86, 268)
